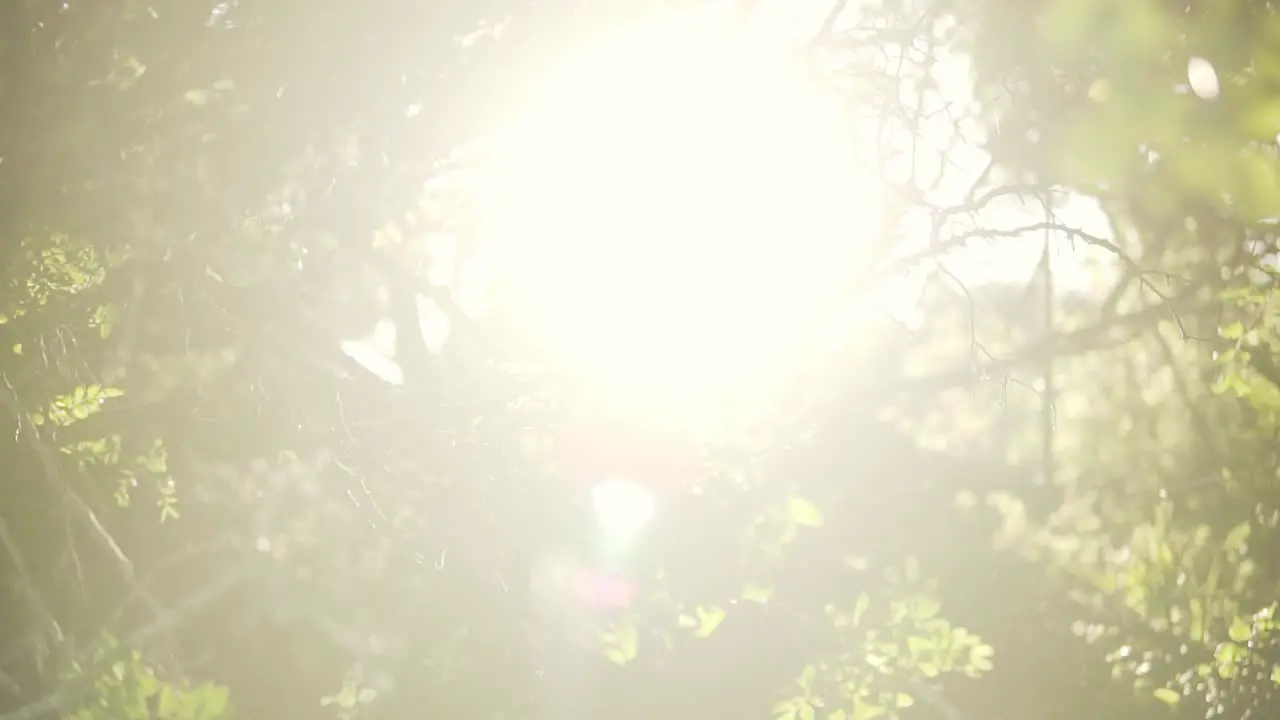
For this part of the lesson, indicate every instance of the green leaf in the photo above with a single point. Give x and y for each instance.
(621, 643)
(919, 646)
(860, 607)
(925, 608)
(1227, 652)
(980, 657)
(213, 702)
(757, 593)
(347, 698)
(170, 702)
(804, 513)
(1168, 696)
(709, 618)
(807, 677)
(1240, 630)
(866, 711)
(1237, 538)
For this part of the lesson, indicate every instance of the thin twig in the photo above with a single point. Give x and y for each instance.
(9, 400)
(29, 587)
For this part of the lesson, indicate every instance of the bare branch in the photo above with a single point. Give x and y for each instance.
(30, 589)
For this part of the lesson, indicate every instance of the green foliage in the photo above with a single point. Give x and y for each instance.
(621, 641)
(192, 195)
(1219, 146)
(353, 695)
(889, 646)
(703, 621)
(130, 689)
(76, 405)
(804, 513)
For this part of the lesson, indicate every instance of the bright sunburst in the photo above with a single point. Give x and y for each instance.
(674, 210)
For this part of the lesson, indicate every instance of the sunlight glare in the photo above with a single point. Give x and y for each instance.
(675, 210)
(622, 508)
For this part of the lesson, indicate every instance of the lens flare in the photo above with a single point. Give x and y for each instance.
(622, 508)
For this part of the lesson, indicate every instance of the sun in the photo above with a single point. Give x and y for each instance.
(674, 209)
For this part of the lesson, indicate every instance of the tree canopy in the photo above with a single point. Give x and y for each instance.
(281, 442)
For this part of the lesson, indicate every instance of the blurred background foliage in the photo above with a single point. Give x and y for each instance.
(1048, 496)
